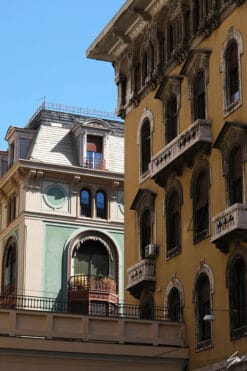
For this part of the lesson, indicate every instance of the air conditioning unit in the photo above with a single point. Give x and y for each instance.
(151, 251)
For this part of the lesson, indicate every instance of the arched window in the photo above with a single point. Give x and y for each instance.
(203, 307)
(137, 77)
(9, 269)
(85, 202)
(232, 73)
(101, 205)
(235, 177)
(173, 223)
(174, 305)
(144, 67)
(201, 205)
(171, 119)
(147, 307)
(91, 259)
(145, 230)
(199, 96)
(145, 146)
(237, 296)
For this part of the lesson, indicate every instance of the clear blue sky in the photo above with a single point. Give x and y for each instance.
(43, 45)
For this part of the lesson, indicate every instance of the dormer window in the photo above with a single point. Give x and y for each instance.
(94, 157)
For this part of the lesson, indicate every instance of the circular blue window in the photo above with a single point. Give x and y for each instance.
(55, 196)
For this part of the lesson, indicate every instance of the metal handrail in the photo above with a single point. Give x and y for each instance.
(47, 304)
(91, 112)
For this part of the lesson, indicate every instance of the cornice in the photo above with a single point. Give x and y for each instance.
(35, 171)
(126, 26)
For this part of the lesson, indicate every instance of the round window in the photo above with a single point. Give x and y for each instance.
(55, 196)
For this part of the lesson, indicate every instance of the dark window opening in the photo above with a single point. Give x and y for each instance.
(173, 224)
(123, 91)
(235, 176)
(203, 308)
(101, 205)
(238, 307)
(232, 73)
(145, 229)
(137, 78)
(144, 68)
(147, 309)
(145, 146)
(91, 259)
(171, 119)
(199, 97)
(174, 305)
(11, 214)
(85, 202)
(9, 270)
(201, 207)
(94, 152)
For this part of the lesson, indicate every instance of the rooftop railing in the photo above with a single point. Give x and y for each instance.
(91, 112)
(46, 304)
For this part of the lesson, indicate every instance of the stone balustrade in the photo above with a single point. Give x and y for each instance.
(198, 132)
(229, 223)
(144, 270)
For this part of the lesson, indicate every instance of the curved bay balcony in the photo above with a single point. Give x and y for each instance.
(228, 225)
(86, 292)
(141, 275)
(181, 150)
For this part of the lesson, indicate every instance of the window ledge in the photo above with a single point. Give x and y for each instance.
(204, 345)
(230, 108)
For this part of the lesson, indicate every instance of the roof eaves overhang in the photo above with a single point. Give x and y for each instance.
(123, 28)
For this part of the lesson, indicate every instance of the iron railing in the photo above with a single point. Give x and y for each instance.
(96, 163)
(91, 112)
(146, 312)
(87, 282)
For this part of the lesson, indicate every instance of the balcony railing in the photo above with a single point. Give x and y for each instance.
(231, 223)
(97, 164)
(180, 148)
(45, 304)
(97, 283)
(142, 272)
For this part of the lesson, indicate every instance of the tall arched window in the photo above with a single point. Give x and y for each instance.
(145, 230)
(85, 202)
(137, 77)
(9, 269)
(238, 299)
(101, 205)
(174, 305)
(145, 146)
(144, 67)
(171, 119)
(173, 223)
(199, 96)
(235, 179)
(201, 205)
(91, 259)
(203, 307)
(232, 73)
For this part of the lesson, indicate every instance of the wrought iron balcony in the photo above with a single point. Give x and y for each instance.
(181, 150)
(55, 305)
(228, 225)
(97, 164)
(140, 275)
(83, 289)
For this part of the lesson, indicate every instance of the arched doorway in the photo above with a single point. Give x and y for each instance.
(9, 268)
(93, 275)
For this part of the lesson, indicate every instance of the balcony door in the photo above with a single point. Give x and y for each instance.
(94, 152)
(91, 259)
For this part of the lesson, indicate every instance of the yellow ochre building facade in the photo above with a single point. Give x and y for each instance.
(181, 72)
